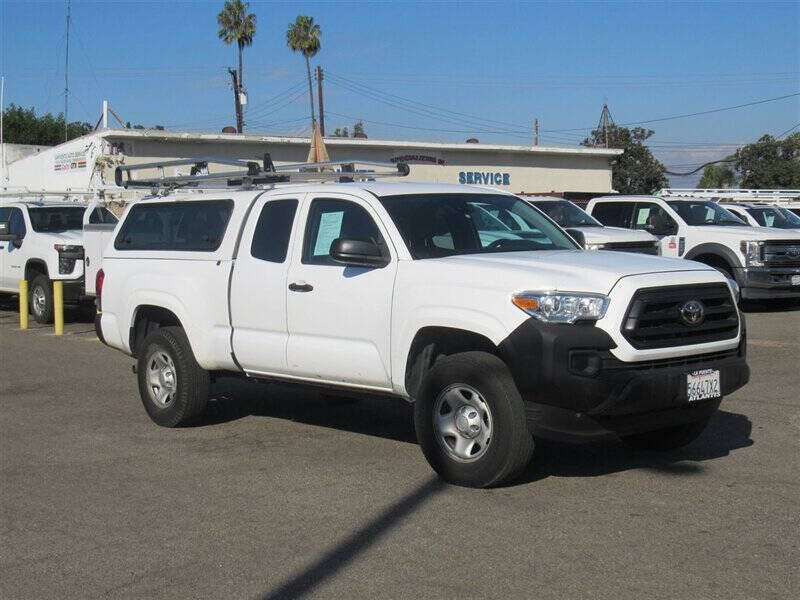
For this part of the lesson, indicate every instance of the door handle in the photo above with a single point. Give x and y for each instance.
(301, 286)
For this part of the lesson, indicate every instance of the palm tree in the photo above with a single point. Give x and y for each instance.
(303, 36)
(236, 25)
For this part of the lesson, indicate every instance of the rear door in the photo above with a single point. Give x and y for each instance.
(258, 285)
(339, 317)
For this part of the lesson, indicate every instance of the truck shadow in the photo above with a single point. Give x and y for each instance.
(386, 417)
(392, 418)
(726, 432)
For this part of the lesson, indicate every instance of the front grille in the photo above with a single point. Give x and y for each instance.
(640, 247)
(654, 316)
(782, 253)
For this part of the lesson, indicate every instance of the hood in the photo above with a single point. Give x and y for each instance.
(746, 232)
(565, 270)
(71, 236)
(601, 235)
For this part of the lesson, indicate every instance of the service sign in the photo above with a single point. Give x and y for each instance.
(69, 161)
(484, 178)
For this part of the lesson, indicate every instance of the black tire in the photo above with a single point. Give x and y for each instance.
(40, 298)
(670, 438)
(510, 447)
(191, 383)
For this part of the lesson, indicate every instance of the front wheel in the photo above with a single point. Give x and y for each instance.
(669, 438)
(173, 387)
(41, 299)
(470, 421)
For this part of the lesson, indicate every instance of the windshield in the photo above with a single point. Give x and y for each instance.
(435, 225)
(790, 216)
(56, 218)
(704, 212)
(566, 214)
(771, 217)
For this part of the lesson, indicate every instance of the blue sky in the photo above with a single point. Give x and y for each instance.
(504, 63)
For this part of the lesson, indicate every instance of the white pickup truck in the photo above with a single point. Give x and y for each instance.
(592, 233)
(764, 262)
(395, 289)
(764, 215)
(42, 242)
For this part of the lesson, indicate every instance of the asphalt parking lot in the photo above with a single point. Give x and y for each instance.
(280, 493)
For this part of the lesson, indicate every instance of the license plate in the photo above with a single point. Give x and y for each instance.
(702, 385)
(795, 279)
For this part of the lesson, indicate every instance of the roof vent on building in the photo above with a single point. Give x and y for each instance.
(229, 129)
(360, 135)
(473, 141)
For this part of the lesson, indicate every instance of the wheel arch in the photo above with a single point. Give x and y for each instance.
(714, 253)
(145, 319)
(432, 342)
(35, 266)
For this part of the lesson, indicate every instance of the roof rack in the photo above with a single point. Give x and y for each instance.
(252, 173)
(734, 195)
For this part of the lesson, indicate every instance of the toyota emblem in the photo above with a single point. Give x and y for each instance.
(693, 312)
(793, 252)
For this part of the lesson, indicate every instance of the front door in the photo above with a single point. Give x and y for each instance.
(12, 262)
(339, 316)
(258, 286)
(652, 218)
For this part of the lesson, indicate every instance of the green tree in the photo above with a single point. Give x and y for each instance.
(303, 36)
(22, 126)
(358, 130)
(341, 132)
(770, 163)
(635, 171)
(718, 176)
(237, 25)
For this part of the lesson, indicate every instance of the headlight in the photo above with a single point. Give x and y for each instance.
(752, 253)
(562, 307)
(595, 246)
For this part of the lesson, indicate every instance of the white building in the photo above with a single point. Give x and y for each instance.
(89, 161)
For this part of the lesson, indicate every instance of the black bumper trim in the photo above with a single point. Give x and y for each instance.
(98, 328)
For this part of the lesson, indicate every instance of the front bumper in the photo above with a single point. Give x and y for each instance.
(573, 386)
(767, 282)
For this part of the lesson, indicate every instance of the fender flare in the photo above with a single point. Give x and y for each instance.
(718, 250)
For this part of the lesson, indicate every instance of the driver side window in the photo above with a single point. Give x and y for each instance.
(329, 219)
(654, 219)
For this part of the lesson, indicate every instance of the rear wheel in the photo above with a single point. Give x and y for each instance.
(41, 299)
(173, 387)
(470, 421)
(670, 438)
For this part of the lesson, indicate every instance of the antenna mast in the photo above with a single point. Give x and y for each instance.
(605, 121)
(66, 79)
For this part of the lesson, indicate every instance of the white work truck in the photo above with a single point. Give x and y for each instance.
(764, 215)
(591, 233)
(396, 289)
(764, 262)
(42, 241)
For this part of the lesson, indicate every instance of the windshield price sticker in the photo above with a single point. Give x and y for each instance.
(795, 279)
(702, 385)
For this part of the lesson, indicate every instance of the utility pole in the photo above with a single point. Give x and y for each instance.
(321, 106)
(66, 79)
(239, 119)
(536, 131)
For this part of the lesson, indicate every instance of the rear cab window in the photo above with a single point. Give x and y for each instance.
(614, 214)
(196, 226)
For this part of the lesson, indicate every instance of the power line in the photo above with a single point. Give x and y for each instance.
(791, 129)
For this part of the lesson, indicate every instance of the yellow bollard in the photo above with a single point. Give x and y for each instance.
(23, 304)
(58, 306)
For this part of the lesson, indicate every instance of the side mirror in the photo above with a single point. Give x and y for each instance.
(661, 231)
(6, 236)
(358, 253)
